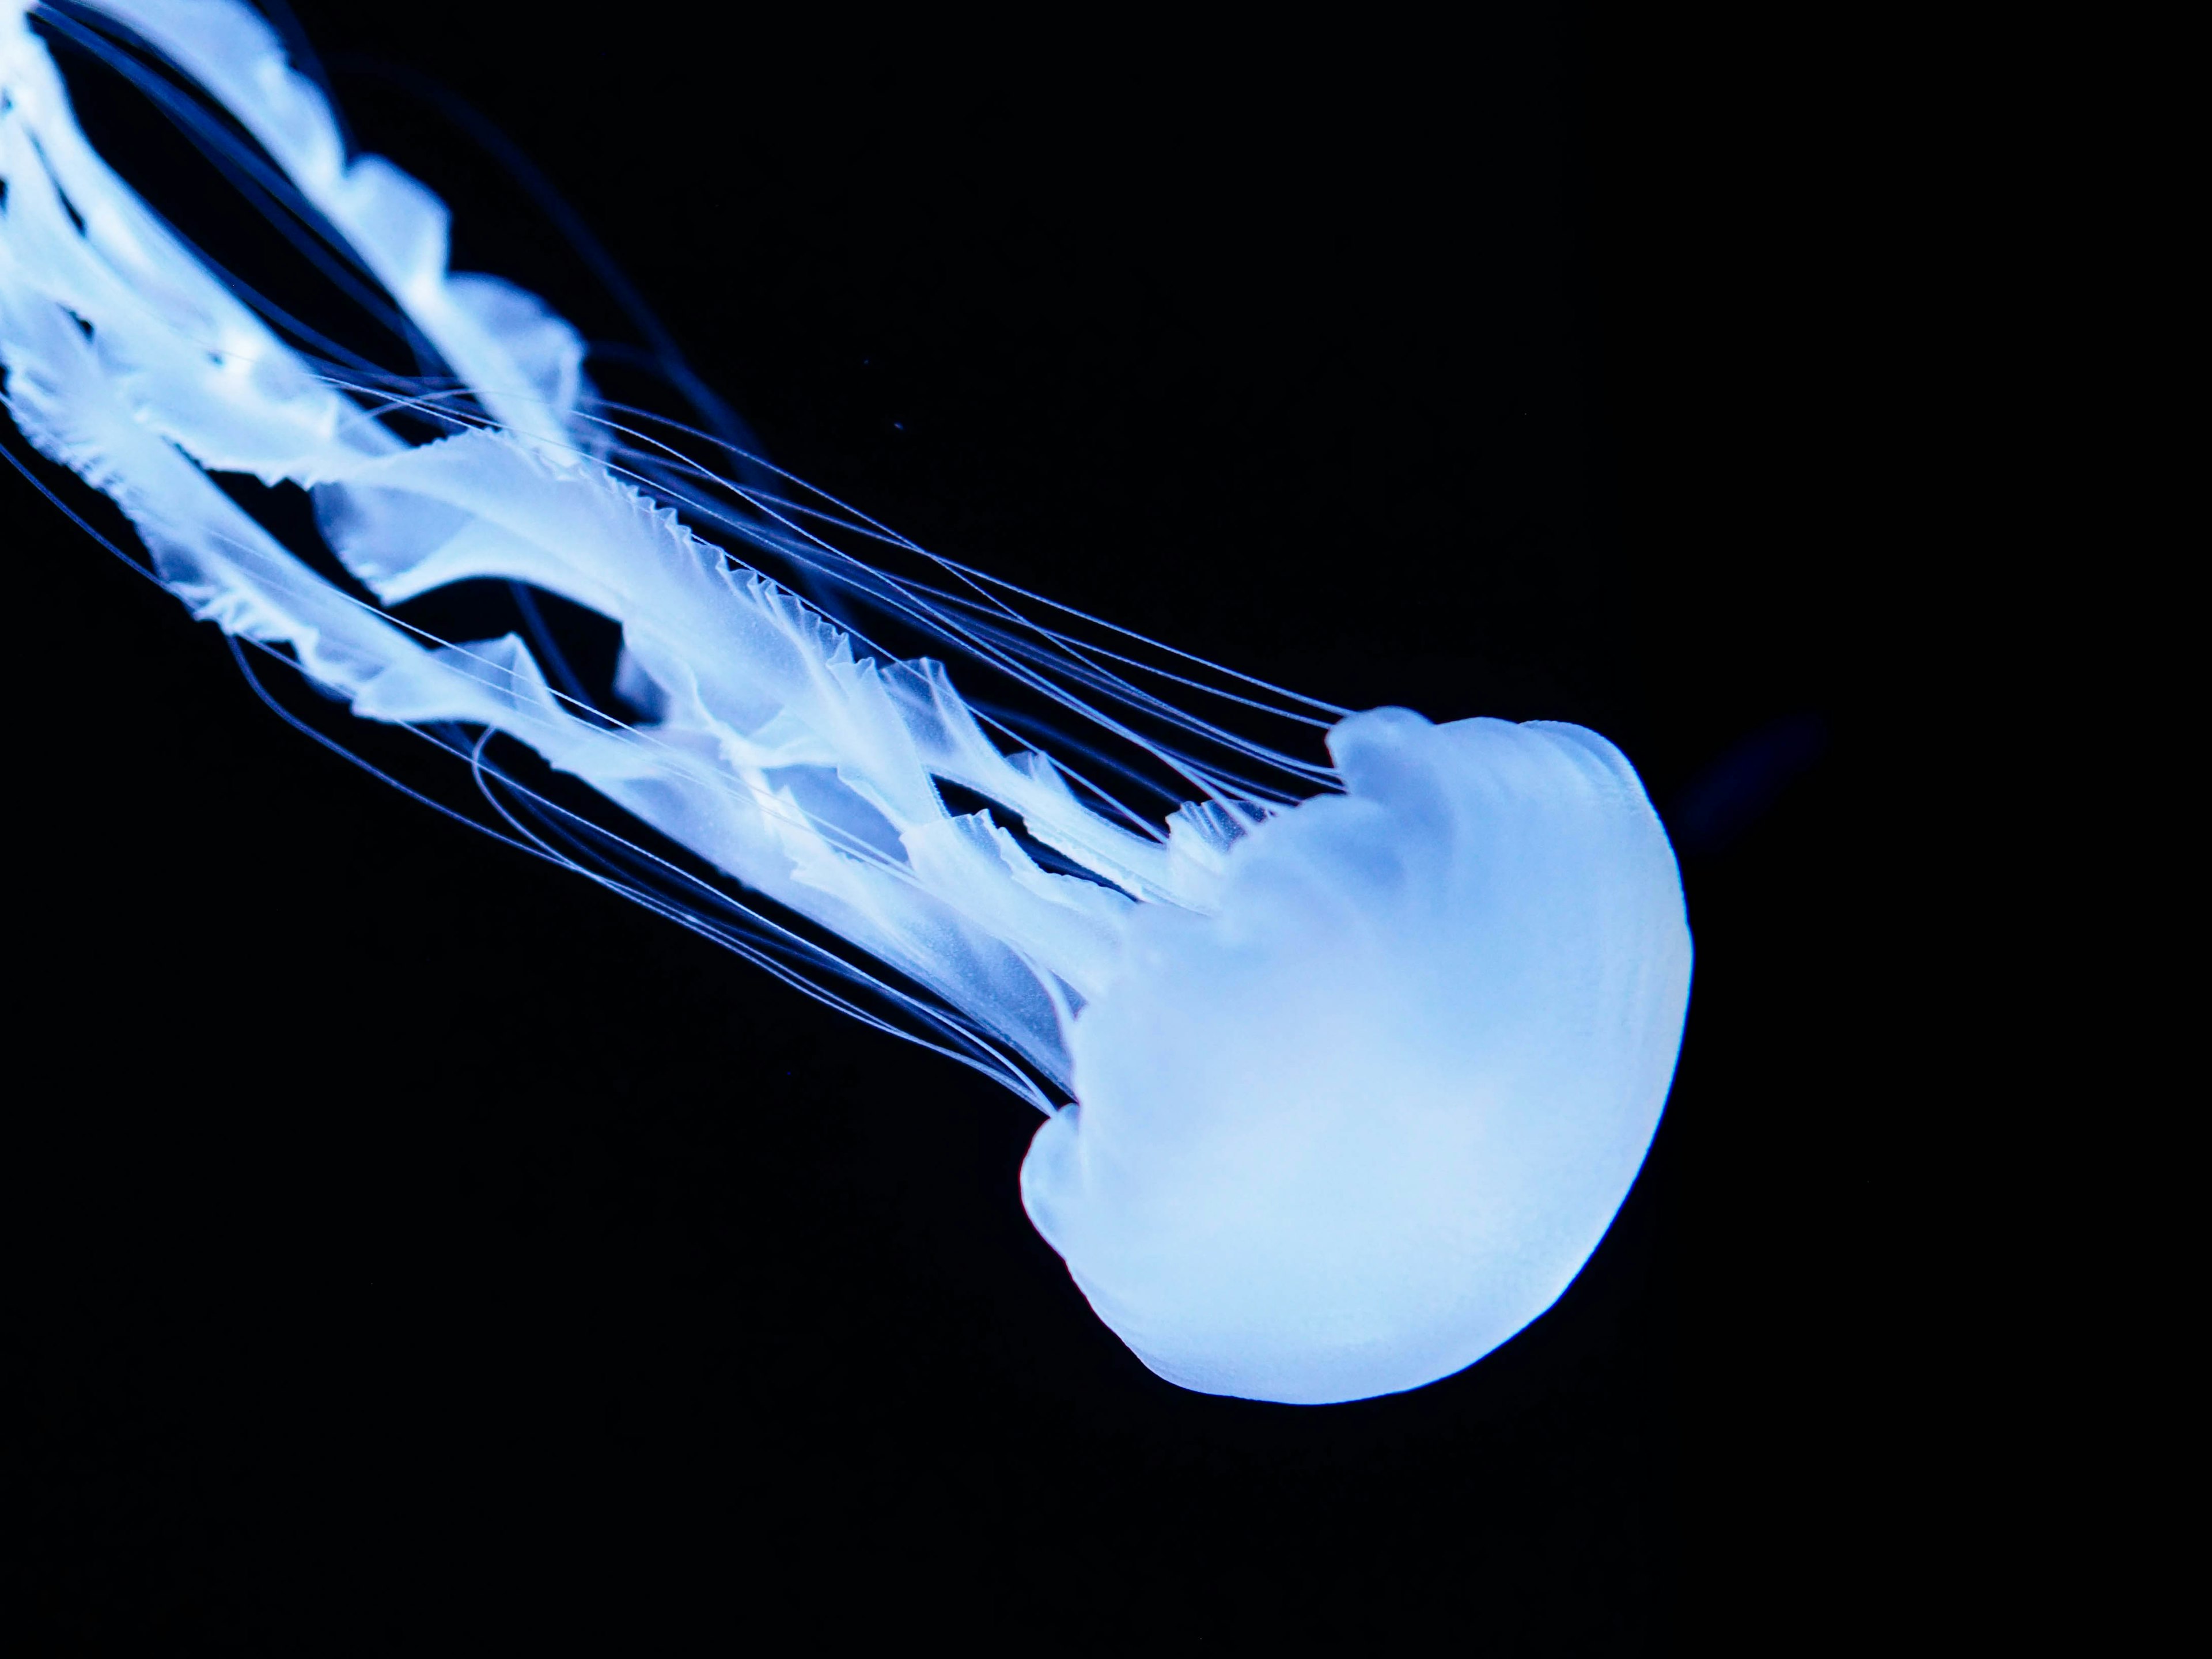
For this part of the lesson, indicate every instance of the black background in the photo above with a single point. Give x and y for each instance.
(413, 1248)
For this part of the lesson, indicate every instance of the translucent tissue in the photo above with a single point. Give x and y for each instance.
(1354, 1131)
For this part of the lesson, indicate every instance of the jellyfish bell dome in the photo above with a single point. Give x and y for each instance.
(1352, 1130)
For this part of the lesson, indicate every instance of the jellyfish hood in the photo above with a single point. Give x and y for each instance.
(1352, 1130)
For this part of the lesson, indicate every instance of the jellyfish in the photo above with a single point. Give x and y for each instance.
(1345, 1067)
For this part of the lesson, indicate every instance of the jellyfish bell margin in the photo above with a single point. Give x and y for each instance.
(1359, 1080)
(1354, 1131)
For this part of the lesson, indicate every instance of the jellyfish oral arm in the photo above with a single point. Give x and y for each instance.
(1358, 1085)
(774, 752)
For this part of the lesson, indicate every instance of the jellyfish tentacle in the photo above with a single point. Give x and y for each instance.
(761, 700)
(523, 361)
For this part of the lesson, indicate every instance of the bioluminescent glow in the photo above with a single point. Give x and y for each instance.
(1358, 1063)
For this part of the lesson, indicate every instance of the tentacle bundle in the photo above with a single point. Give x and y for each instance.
(771, 750)
(1360, 1083)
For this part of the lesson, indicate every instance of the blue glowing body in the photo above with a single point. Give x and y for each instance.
(1357, 1080)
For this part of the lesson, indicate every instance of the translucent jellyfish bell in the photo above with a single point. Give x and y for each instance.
(1352, 1130)
(1353, 1080)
